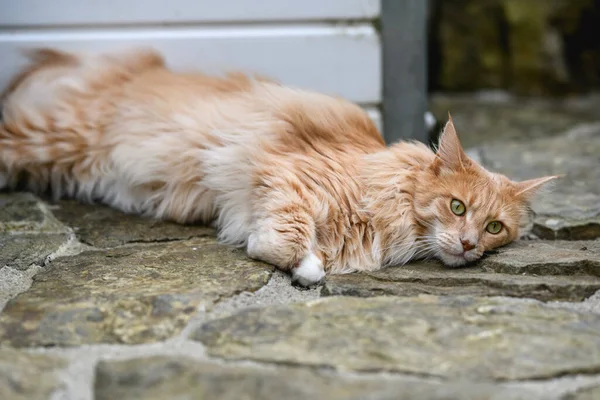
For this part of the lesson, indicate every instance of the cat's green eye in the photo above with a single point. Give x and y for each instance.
(457, 207)
(494, 227)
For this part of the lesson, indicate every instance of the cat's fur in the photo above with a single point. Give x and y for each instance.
(302, 179)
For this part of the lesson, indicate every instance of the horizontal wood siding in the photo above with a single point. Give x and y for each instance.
(326, 45)
(111, 12)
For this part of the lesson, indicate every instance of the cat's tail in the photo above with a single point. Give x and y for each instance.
(28, 115)
(53, 111)
(39, 59)
(52, 72)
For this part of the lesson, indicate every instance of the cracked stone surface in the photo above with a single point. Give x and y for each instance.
(450, 337)
(542, 270)
(591, 393)
(546, 258)
(25, 376)
(22, 251)
(14, 281)
(100, 226)
(171, 377)
(25, 213)
(132, 294)
(28, 231)
(98, 304)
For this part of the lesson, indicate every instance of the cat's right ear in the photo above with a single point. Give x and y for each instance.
(450, 154)
(528, 188)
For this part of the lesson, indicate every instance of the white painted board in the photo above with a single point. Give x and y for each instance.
(344, 61)
(111, 12)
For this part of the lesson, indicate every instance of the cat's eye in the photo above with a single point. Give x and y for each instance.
(457, 207)
(494, 227)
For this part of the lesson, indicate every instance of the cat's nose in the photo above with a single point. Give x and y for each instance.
(467, 244)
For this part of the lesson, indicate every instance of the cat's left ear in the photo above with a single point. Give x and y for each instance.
(530, 187)
(450, 153)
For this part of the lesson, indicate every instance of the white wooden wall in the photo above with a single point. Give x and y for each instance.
(326, 45)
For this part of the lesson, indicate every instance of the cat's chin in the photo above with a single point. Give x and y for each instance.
(455, 260)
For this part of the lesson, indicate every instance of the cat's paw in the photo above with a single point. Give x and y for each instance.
(309, 271)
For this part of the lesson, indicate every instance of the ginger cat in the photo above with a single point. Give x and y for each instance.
(304, 181)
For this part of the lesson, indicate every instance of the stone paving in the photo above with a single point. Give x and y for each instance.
(97, 304)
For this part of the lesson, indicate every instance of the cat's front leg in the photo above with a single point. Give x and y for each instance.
(286, 239)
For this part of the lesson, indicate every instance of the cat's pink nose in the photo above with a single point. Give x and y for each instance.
(467, 245)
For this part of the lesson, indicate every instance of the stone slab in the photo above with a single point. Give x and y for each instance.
(28, 231)
(457, 337)
(25, 376)
(418, 279)
(180, 378)
(132, 294)
(542, 270)
(13, 282)
(25, 213)
(589, 393)
(22, 251)
(570, 209)
(103, 227)
(541, 257)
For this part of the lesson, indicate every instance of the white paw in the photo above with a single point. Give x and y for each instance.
(309, 271)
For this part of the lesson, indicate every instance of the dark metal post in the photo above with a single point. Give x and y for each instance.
(404, 41)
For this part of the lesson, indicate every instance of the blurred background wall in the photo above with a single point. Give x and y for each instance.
(528, 47)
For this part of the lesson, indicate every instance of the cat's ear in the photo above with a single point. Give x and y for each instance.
(450, 153)
(529, 187)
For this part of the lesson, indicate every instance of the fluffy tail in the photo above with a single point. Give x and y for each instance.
(53, 110)
(39, 59)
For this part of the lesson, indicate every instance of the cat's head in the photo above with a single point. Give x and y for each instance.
(466, 210)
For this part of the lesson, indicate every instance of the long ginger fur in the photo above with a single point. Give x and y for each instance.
(285, 172)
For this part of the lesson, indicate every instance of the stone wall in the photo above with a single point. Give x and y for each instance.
(530, 47)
